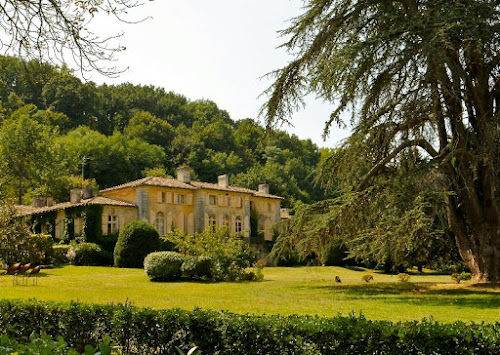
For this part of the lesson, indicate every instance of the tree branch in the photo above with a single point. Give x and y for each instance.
(422, 143)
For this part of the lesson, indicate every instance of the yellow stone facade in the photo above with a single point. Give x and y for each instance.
(173, 204)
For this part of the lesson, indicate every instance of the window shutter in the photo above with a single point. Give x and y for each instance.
(169, 197)
(189, 199)
(176, 198)
(158, 197)
(220, 201)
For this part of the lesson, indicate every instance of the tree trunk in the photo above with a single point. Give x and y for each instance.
(478, 243)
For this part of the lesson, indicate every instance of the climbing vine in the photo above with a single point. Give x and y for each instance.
(48, 218)
(91, 222)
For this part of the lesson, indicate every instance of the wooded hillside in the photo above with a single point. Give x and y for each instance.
(53, 124)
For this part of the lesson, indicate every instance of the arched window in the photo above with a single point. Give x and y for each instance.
(160, 223)
(212, 222)
(238, 226)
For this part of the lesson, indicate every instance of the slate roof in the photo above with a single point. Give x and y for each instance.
(97, 200)
(193, 185)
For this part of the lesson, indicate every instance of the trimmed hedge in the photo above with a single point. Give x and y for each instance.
(147, 331)
(88, 254)
(136, 240)
(163, 265)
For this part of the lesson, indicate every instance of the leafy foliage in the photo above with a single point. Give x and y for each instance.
(417, 76)
(197, 267)
(145, 331)
(121, 133)
(228, 255)
(136, 240)
(463, 276)
(87, 254)
(163, 265)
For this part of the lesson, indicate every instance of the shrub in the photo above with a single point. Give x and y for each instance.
(463, 276)
(59, 252)
(197, 267)
(367, 278)
(37, 248)
(403, 277)
(163, 265)
(135, 330)
(136, 240)
(230, 255)
(85, 254)
(258, 267)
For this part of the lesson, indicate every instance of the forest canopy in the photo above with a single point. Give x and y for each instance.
(52, 123)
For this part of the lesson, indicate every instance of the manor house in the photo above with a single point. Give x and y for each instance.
(167, 204)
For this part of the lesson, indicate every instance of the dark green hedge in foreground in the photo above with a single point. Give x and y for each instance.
(146, 331)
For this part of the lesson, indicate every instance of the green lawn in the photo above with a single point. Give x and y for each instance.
(303, 290)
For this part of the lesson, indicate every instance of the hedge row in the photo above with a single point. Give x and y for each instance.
(147, 331)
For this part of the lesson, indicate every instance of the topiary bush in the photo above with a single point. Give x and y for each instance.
(59, 252)
(86, 254)
(197, 267)
(163, 265)
(136, 240)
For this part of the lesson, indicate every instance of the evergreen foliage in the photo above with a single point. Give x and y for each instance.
(163, 265)
(134, 330)
(136, 240)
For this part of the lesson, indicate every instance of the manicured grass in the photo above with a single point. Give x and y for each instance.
(302, 290)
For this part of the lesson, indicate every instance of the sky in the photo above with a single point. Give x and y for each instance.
(217, 50)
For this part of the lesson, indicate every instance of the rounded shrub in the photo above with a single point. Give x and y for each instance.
(197, 267)
(85, 254)
(59, 252)
(163, 265)
(136, 240)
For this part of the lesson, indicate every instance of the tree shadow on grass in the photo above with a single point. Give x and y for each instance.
(424, 294)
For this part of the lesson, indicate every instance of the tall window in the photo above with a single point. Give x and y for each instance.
(212, 222)
(238, 225)
(160, 223)
(180, 199)
(112, 224)
(212, 200)
(163, 197)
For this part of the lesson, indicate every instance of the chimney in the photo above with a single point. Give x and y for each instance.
(39, 201)
(284, 213)
(184, 175)
(264, 188)
(88, 192)
(75, 195)
(223, 180)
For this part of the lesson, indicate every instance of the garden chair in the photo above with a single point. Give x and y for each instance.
(34, 272)
(21, 271)
(12, 268)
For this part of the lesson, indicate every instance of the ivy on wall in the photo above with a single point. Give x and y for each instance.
(91, 222)
(48, 218)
